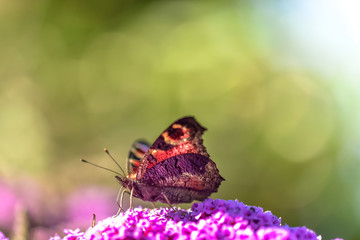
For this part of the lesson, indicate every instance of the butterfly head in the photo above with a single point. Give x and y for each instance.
(124, 181)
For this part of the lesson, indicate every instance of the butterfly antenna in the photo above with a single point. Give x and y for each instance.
(108, 169)
(108, 153)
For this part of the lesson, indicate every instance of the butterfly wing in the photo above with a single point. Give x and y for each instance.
(178, 159)
(136, 153)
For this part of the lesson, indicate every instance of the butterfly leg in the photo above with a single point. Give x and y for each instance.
(121, 202)
(131, 197)
(153, 204)
(118, 196)
(168, 202)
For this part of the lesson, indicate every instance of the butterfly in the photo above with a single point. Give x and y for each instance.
(176, 168)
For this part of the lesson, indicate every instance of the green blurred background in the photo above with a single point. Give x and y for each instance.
(275, 83)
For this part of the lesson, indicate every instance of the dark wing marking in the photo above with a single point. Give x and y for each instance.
(136, 153)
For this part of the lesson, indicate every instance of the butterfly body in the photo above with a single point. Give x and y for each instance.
(176, 168)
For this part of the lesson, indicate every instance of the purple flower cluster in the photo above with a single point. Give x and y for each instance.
(211, 219)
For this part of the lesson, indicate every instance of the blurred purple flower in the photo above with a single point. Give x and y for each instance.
(2, 236)
(211, 219)
(46, 211)
(82, 203)
(78, 208)
(21, 193)
(9, 200)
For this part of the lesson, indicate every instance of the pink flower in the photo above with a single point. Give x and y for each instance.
(211, 219)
